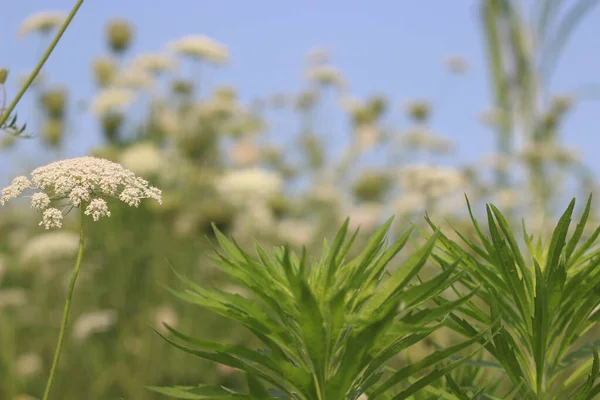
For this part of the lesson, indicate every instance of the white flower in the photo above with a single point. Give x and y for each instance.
(133, 77)
(364, 216)
(430, 180)
(78, 180)
(408, 203)
(112, 99)
(50, 246)
(94, 322)
(245, 185)
(245, 152)
(201, 47)
(143, 159)
(154, 62)
(326, 75)
(42, 22)
(40, 201)
(296, 231)
(28, 364)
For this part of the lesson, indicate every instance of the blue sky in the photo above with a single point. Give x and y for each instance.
(391, 47)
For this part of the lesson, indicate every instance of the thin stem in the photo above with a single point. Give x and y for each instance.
(65, 317)
(35, 72)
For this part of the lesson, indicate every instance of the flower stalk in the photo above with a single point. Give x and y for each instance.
(4, 116)
(65, 318)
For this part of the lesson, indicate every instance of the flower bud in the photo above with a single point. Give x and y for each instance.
(111, 123)
(104, 70)
(54, 101)
(3, 75)
(53, 131)
(119, 34)
(418, 110)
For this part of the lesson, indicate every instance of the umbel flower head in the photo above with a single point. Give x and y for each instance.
(79, 181)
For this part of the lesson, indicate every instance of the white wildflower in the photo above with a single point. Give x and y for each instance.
(50, 246)
(15, 189)
(318, 55)
(409, 203)
(133, 78)
(245, 185)
(40, 201)
(245, 152)
(143, 158)
(154, 62)
(201, 47)
(52, 218)
(97, 209)
(431, 180)
(28, 364)
(112, 99)
(94, 322)
(82, 180)
(365, 216)
(296, 231)
(350, 104)
(42, 22)
(326, 75)
(167, 315)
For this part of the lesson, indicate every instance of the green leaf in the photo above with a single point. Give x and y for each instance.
(199, 392)
(392, 287)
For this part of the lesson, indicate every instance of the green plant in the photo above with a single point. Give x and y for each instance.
(328, 329)
(546, 302)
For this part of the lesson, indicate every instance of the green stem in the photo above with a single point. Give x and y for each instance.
(65, 317)
(63, 28)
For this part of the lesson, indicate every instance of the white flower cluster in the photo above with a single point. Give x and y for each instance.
(430, 180)
(94, 322)
(80, 180)
(201, 47)
(112, 99)
(42, 22)
(143, 158)
(251, 184)
(50, 246)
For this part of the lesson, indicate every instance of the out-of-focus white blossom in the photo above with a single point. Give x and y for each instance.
(28, 364)
(350, 104)
(497, 161)
(326, 75)
(431, 180)
(366, 216)
(203, 47)
(318, 55)
(247, 185)
(154, 62)
(506, 198)
(143, 159)
(77, 180)
(550, 153)
(245, 152)
(94, 322)
(111, 100)
(297, 232)
(491, 117)
(133, 77)
(167, 315)
(419, 137)
(456, 64)
(42, 22)
(50, 246)
(408, 203)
